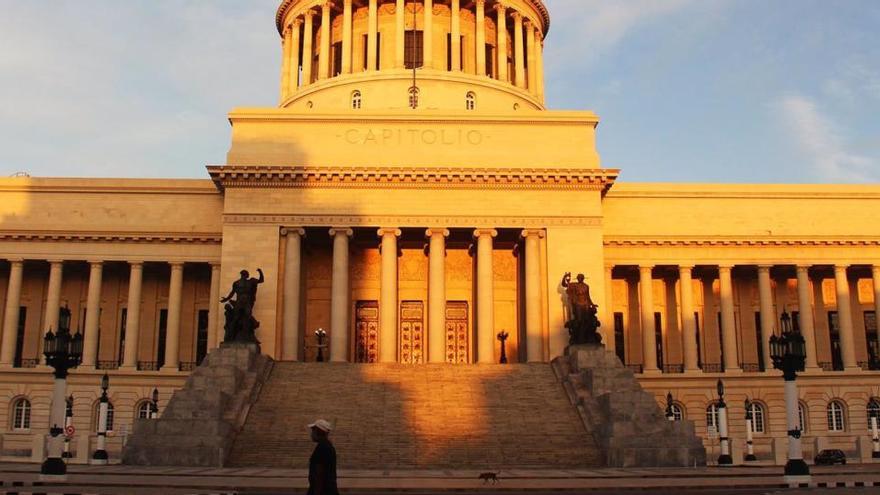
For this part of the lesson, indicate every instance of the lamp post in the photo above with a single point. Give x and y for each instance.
(750, 448)
(320, 334)
(154, 404)
(789, 352)
(502, 337)
(875, 436)
(670, 415)
(62, 352)
(100, 455)
(68, 422)
(724, 459)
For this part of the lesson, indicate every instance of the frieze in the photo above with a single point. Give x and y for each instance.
(111, 237)
(751, 241)
(411, 221)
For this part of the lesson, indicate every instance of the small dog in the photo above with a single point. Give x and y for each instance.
(489, 476)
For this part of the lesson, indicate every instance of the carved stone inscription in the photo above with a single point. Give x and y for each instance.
(415, 137)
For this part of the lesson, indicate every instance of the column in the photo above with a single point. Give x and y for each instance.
(372, 34)
(53, 294)
(285, 61)
(481, 37)
(844, 319)
(172, 340)
(10, 318)
(728, 322)
(530, 54)
(608, 328)
(308, 38)
(768, 314)
(346, 37)
(400, 34)
(455, 30)
(93, 315)
(290, 335)
(688, 323)
(875, 272)
(437, 294)
(534, 331)
(214, 320)
(501, 44)
(428, 39)
(646, 306)
(324, 50)
(518, 56)
(133, 315)
(485, 297)
(388, 296)
(339, 294)
(805, 317)
(293, 78)
(539, 65)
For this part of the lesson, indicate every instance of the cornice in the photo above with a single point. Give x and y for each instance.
(739, 241)
(108, 186)
(112, 237)
(275, 176)
(399, 221)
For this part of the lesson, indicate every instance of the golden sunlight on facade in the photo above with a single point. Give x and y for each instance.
(412, 196)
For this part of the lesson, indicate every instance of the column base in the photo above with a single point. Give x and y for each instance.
(100, 457)
(53, 466)
(652, 372)
(127, 369)
(86, 367)
(875, 455)
(750, 457)
(853, 369)
(812, 371)
(796, 467)
(732, 371)
(725, 460)
(170, 370)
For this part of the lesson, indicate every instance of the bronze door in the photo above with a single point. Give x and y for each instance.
(412, 332)
(457, 344)
(366, 332)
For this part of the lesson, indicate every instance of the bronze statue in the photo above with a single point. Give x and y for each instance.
(240, 322)
(583, 322)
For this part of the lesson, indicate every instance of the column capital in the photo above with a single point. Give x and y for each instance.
(95, 262)
(500, 7)
(803, 267)
(765, 267)
(215, 265)
(133, 263)
(309, 13)
(840, 267)
(55, 261)
(528, 23)
(539, 233)
(485, 232)
(725, 267)
(646, 267)
(286, 231)
(341, 231)
(436, 231)
(327, 5)
(684, 266)
(517, 16)
(176, 264)
(480, 3)
(296, 22)
(15, 261)
(383, 231)
(875, 269)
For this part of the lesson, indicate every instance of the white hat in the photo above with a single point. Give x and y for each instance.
(322, 424)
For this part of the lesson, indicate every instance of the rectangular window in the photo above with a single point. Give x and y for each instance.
(699, 346)
(758, 333)
(163, 332)
(19, 343)
(834, 333)
(123, 319)
(337, 58)
(366, 39)
(619, 337)
(202, 336)
(449, 51)
(658, 338)
(414, 49)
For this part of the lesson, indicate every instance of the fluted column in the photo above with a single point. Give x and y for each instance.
(133, 315)
(501, 44)
(481, 37)
(428, 40)
(530, 54)
(172, 339)
(646, 308)
(339, 294)
(455, 34)
(518, 56)
(875, 275)
(688, 323)
(388, 296)
(308, 39)
(93, 315)
(324, 50)
(485, 296)
(728, 321)
(292, 268)
(539, 63)
(53, 294)
(10, 315)
(437, 294)
(844, 319)
(372, 34)
(768, 314)
(400, 34)
(805, 317)
(214, 320)
(286, 48)
(346, 36)
(293, 77)
(534, 329)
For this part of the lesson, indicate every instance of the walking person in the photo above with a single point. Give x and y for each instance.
(322, 464)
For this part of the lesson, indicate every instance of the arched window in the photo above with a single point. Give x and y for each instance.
(109, 423)
(142, 410)
(712, 418)
(677, 411)
(355, 100)
(758, 422)
(836, 416)
(470, 101)
(873, 410)
(21, 415)
(802, 416)
(413, 97)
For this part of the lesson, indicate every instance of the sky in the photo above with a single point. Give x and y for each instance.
(732, 91)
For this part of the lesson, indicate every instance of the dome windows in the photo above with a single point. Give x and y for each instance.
(356, 100)
(470, 101)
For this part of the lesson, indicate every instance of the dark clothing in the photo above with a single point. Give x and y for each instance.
(324, 456)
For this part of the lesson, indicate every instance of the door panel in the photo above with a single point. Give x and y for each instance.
(457, 331)
(366, 333)
(412, 332)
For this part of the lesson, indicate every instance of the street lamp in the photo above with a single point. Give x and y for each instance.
(724, 459)
(320, 334)
(670, 415)
(62, 352)
(68, 422)
(750, 448)
(789, 352)
(154, 404)
(100, 455)
(502, 337)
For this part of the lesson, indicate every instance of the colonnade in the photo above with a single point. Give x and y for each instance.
(388, 301)
(299, 35)
(769, 321)
(91, 328)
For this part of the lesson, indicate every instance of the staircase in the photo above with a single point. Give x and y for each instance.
(392, 416)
